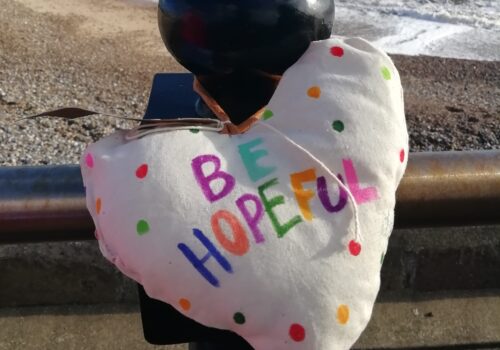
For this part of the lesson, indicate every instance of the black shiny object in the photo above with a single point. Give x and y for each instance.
(225, 36)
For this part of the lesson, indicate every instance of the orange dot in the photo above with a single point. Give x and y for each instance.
(314, 92)
(343, 314)
(185, 304)
(98, 206)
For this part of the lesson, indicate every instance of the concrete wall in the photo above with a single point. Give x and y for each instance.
(418, 261)
(439, 286)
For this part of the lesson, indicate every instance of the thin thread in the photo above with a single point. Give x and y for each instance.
(354, 206)
(160, 127)
(137, 133)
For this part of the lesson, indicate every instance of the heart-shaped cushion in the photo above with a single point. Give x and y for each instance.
(278, 233)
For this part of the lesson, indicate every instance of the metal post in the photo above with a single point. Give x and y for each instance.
(445, 188)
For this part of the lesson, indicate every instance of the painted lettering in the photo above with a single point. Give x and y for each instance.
(302, 195)
(250, 156)
(239, 244)
(361, 195)
(199, 264)
(205, 180)
(325, 198)
(271, 203)
(252, 220)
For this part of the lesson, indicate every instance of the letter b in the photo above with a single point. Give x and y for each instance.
(205, 180)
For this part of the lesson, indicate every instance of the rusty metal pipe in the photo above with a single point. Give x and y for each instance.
(43, 204)
(450, 189)
(439, 189)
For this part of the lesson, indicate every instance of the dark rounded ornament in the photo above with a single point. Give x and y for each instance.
(214, 37)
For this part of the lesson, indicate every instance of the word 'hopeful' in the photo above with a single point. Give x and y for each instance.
(239, 243)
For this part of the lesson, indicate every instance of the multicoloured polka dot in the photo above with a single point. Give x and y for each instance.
(337, 51)
(89, 160)
(343, 314)
(297, 332)
(338, 125)
(386, 73)
(314, 92)
(142, 227)
(98, 206)
(268, 114)
(354, 248)
(185, 304)
(142, 171)
(239, 318)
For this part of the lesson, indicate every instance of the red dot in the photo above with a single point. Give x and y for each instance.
(142, 171)
(297, 332)
(354, 248)
(337, 51)
(402, 155)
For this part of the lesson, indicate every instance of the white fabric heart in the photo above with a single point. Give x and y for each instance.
(257, 233)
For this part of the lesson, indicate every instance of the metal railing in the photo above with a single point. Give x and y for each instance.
(443, 188)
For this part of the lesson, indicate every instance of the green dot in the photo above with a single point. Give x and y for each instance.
(239, 318)
(268, 114)
(386, 73)
(338, 126)
(194, 131)
(382, 258)
(142, 227)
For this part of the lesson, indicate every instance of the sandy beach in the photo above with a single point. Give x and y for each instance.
(102, 55)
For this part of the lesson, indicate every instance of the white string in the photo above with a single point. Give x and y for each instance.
(152, 128)
(138, 133)
(354, 206)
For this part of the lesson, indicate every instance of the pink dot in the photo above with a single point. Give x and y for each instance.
(402, 155)
(142, 171)
(297, 332)
(89, 160)
(354, 248)
(337, 51)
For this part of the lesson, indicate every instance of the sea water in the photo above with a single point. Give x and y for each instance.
(468, 29)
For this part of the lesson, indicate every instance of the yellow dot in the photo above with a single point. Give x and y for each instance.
(98, 206)
(185, 304)
(343, 314)
(314, 92)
